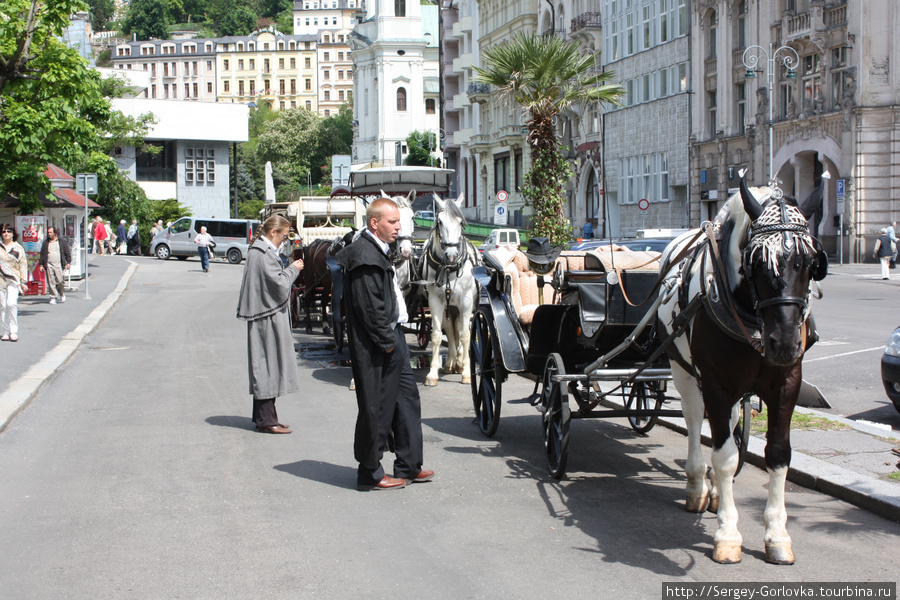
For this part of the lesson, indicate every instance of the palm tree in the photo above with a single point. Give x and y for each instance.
(546, 76)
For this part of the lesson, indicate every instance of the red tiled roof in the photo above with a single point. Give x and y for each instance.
(74, 198)
(54, 172)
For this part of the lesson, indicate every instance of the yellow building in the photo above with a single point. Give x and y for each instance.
(269, 67)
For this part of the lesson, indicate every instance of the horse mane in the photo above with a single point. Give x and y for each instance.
(453, 209)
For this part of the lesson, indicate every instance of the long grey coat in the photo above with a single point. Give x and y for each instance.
(263, 303)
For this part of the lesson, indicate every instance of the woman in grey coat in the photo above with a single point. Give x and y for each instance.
(263, 303)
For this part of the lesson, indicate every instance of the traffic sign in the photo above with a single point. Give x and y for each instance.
(643, 204)
(839, 186)
(502, 196)
(500, 214)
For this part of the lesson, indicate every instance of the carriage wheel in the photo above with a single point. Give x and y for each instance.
(741, 432)
(557, 417)
(643, 394)
(487, 375)
(423, 328)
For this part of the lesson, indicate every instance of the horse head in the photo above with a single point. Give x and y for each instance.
(407, 223)
(779, 259)
(449, 223)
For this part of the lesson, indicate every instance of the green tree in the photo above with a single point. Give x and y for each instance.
(290, 142)
(102, 12)
(546, 75)
(232, 17)
(147, 19)
(271, 8)
(50, 100)
(195, 10)
(420, 145)
(335, 136)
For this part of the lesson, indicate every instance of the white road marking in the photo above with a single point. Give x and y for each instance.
(843, 354)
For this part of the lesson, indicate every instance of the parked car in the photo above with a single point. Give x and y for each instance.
(890, 368)
(581, 246)
(501, 238)
(232, 238)
(424, 214)
(646, 244)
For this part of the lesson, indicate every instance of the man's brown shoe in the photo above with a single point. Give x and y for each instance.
(274, 429)
(386, 483)
(421, 477)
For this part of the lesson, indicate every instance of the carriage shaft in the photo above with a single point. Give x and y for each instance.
(616, 374)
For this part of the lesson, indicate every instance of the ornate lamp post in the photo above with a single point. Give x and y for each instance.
(751, 59)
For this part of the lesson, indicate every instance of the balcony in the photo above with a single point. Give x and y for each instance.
(460, 101)
(590, 20)
(479, 143)
(462, 27)
(479, 92)
(510, 134)
(463, 62)
(796, 26)
(709, 67)
(836, 17)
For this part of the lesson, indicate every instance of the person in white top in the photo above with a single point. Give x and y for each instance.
(203, 241)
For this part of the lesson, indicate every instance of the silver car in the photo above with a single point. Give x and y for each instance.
(231, 236)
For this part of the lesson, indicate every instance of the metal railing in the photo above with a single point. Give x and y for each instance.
(589, 19)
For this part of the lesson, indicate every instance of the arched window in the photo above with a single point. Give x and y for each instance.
(401, 99)
(429, 106)
(711, 32)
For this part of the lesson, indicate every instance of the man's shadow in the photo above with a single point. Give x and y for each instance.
(341, 476)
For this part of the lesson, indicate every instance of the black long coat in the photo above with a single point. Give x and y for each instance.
(371, 318)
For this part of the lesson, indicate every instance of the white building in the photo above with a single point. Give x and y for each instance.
(331, 22)
(834, 108)
(192, 165)
(179, 69)
(395, 70)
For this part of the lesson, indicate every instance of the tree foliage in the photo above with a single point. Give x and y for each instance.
(421, 145)
(546, 75)
(102, 12)
(51, 106)
(148, 19)
(232, 17)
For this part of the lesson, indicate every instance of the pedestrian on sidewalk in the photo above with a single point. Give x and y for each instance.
(587, 231)
(891, 231)
(13, 279)
(121, 237)
(55, 258)
(110, 238)
(100, 236)
(884, 250)
(263, 303)
(386, 390)
(204, 241)
(134, 239)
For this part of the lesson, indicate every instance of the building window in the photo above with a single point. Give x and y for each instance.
(252, 87)
(326, 55)
(340, 74)
(308, 105)
(501, 173)
(307, 63)
(326, 74)
(187, 90)
(240, 64)
(225, 64)
(399, 8)
(266, 66)
(293, 63)
(711, 104)
(209, 87)
(429, 106)
(307, 83)
(340, 56)
(327, 95)
(711, 35)
(156, 167)
(401, 99)
(740, 113)
(241, 87)
(341, 95)
(812, 84)
(293, 86)
(281, 88)
(842, 82)
(252, 64)
(280, 63)
(327, 113)
(226, 86)
(740, 25)
(281, 105)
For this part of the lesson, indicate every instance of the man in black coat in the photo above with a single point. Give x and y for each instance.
(386, 391)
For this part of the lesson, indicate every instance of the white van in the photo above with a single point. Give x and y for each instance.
(501, 238)
(231, 236)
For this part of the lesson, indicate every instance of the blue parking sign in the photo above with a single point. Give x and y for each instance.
(840, 188)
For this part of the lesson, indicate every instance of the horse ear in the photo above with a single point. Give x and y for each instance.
(461, 201)
(751, 205)
(383, 195)
(411, 197)
(440, 203)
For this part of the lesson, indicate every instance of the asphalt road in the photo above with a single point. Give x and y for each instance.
(854, 318)
(135, 473)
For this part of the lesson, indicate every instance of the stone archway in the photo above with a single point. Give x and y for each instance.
(802, 163)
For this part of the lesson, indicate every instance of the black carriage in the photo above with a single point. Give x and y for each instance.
(585, 330)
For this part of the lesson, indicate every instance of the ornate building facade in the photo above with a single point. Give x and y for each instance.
(821, 89)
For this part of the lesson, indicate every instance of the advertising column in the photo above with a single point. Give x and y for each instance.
(31, 234)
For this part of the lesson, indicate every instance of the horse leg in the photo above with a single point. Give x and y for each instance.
(452, 365)
(436, 305)
(727, 540)
(692, 408)
(779, 550)
(465, 334)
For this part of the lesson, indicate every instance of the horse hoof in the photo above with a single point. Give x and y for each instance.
(779, 554)
(713, 504)
(727, 553)
(696, 503)
(466, 379)
(431, 381)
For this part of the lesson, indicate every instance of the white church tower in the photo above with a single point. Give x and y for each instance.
(396, 78)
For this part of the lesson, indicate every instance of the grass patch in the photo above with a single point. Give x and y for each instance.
(895, 476)
(801, 421)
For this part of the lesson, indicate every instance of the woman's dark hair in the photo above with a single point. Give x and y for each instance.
(11, 228)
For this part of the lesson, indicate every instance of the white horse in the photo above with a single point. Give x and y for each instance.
(446, 265)
(402, 261)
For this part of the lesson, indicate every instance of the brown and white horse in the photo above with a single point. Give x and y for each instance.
(746, 334)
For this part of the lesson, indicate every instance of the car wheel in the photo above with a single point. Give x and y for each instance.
(234, 256)
(162, 252)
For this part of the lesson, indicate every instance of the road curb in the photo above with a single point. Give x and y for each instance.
(21, 391)
(869, 493)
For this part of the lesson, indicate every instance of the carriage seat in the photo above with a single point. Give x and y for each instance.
(607, 259)
(523, 283)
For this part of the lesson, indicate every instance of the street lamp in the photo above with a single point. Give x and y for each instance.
(790, 59)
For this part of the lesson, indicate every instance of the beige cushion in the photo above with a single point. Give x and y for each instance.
(624, 259)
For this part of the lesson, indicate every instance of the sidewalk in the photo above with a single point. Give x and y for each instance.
(850, 463)
(50, 334)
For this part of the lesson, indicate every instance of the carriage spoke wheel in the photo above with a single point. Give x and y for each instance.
(423, 328)
(557, 417)
(644, 395)
(487, 375)
(741, 432)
